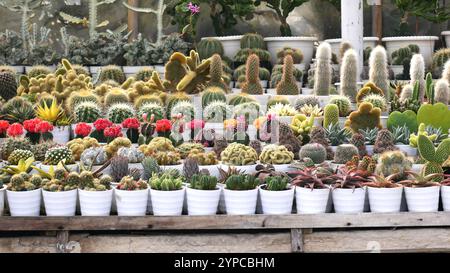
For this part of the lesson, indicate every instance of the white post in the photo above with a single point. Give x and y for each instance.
(352, 25)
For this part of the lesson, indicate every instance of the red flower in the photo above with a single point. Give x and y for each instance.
(31, 125)
(102, 123)
(196, 124)
(163, 125)
(83, 129)
(113, 131)
(131, 123)
(44, 127)
(4, 124)
(14, 130)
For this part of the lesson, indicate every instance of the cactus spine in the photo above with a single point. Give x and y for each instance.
(287, 85)
(378, 72)
(441, 92)
(252, 84)
(322, 73)
(417, 74)
(349, 74)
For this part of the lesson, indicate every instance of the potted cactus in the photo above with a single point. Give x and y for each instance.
(202, 195)
(94, 158)
(312, 193)
(164, 152)
(240, 194)
(349, 191)
(277, 155)
(134, 155)
(167, 193)
(82, 130)
(95, 194)
(131, 197)
(401, 135)
(277, 195)
(38, 130)
(56, 155)
(285, 113)
(206, 161)
(422, 191)
(53, 114)
(100, 125)
(241, 157)
(59, 190)
(131, 125)
(24, 194)
(337, 135)
(344, 153)
(384, 194)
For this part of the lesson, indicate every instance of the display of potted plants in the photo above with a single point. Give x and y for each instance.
(240, 156)
(202, 195)
(277, 195)
(349, 191)
(421, 191)
(240, 194)
(95, 194)
(24, 195)
(131, 197)
(167, 193)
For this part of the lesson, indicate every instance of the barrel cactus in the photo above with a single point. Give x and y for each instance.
(315, 151)
(118, 112)
(87, 111)
(94, 156)
(58, 154)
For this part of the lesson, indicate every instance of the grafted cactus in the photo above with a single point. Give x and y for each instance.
(322, 74)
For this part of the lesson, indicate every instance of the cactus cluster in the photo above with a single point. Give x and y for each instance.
(19, 154)
(128, 183)
(393, 162)
(384, 142)
(239, 155)
(276, 154)
(115, 95)
(14, 143)
(376, 101)
(203, 182)
(211, 94)
(56, 155)
(90, 183)
(24, 182)
(217, 111)
(204, 158)
(343, 103)
(241, 182)
(78, 145)
(434, 157)
(166, 181)
(365, 117)
(149, 109)
(345, 153)
(61, 180)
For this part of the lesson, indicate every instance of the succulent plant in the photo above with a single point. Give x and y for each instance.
(112, 147)
(384, 142)
(322, 72)
(137, 51)
(310, 110)
(252, 84)
(343, 103)
(21, 182)
(277, 99)
(207, 47)
(370, 135)
(434, 157)
(331, 115)
(133, 154)
(318, 135)
(56, 155)
(19, 154)
(239, 155)
(151, 108)
(359, 141)
(187, 147)
(185, 108)
(282, 110)
(18, 109)
(166, 182)
(288, 84)
(90, 183)
(344, 153)
(203, 182)
(219, 146)
(115, 95)
(212, 94)
(217, 77)
(204, 158)
(276, 183)
(8, 84)
(150, 166)
(417, 74)
(296, 54)
(378, 71)
(391, 162)
(315, 151)
(349, 71)
(276, 154)
(249, 110)
(241, 182)
(401, 134)
(337, 135)
(41, 148)
(87, 111)
(128, 183)
(118, 112)
(376, 101)
(365, 117)
(94, 156)
(11, 144)
(78, 145)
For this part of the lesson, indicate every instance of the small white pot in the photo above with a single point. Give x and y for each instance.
(385, 199)
(61, 135)
(305, 44)
(240, 202)
(307, 91)
(425, 44)
(422, 199)
(167, 203)
(408, 150)
(24, 203)
(311, 201)
(445, 195)
(60, 203)
(276, 202)
(2, 200)
(231, 44)
(95, 203)
(349, 200)
(202, 202)
(131, 203)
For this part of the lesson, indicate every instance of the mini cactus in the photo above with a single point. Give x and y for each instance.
(8, 84)
(306, 100)
(345, 153)
(315, 151)
(384, 142)
(144, 74)
(203, 182)
(18, 183)
(133, 154)
(87, 111)
(378, 71)
(115, 95)
(149, 109)
(58, 154)
(112, 147)
(349, 71)
(240, 98)
(393, 162)
(365, 117)
(319, 135)
(252, 84)
(442, 92)
(165, 182)
(19, 154)
(213, 94)
(216, 74)
(358, 140)
(185, 108)
(38, 70)
(376, 101)
(434, 157)
(287, 85)
(241, 182)
(322, 73)
(417, 74)
(407, 93)
(119, 167)
(331, 115)
(76, 98)
(219, 146)
(141, 100)
(94, 156)
(150, 166)
(295, 53)
(128, 183)
(440, 63)
(204, 158)
(239, 155)
(14, 143)
(207, 47)
(111, 72)
(252, 40)
(343, 103)
(118, 112)
(276, 154)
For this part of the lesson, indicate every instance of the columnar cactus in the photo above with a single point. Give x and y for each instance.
(441, 92)
(378, 71)
(252, 84)
(407, 93)
(417, 74)
(288, 85)
(322, 73)
(216, 73)
(349, 74)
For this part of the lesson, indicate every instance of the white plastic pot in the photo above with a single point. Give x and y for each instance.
(60, 203)
(167, 203)
(305, 44)
(2, 199)
(276, 202)
(445, 195)
(240, 202)
(131, 203)
(24, 203)
(424, 199)
(348, 200)
(446, 35)
(202, 202)
(385, 199)
(95, 203)
(425, 44)
(231, 44)
(61, 135)
(311, 201)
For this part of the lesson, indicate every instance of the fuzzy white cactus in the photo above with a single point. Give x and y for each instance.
(446, 72)
(322, 73)
(378, 71)
(441, 91)
(417, 74)
(407, 93)
(349, 74)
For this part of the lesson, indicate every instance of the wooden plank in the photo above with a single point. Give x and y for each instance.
(223, 222)
(62, 239)
(296, 240)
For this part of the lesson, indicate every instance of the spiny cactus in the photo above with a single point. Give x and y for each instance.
(358, 140)
(207, 47)
(14, 143)
(306, 100)
(440, 59)
(407, 93)
(344, 153)
(384, 142)
(297, 55)
(217, 111)
(287, 85)
(190, 167)
(116, 95)
(252, 84)
(216, 73)
(252, 40)
(349, 71)
(240, 98)
(58, 154)
(319, 135)
(118, 112)
(377, 101)
(365, 117)
(8, 84)
(276, 154)
(111, 72)
(87, 111)
(315, 151)
(322, 73)
(343, 103)
(330, 115)
(19, 154)
(239, 155)
(378, 71)
(213, 94)
(442, 92)
(393, 162)
(417, 74)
